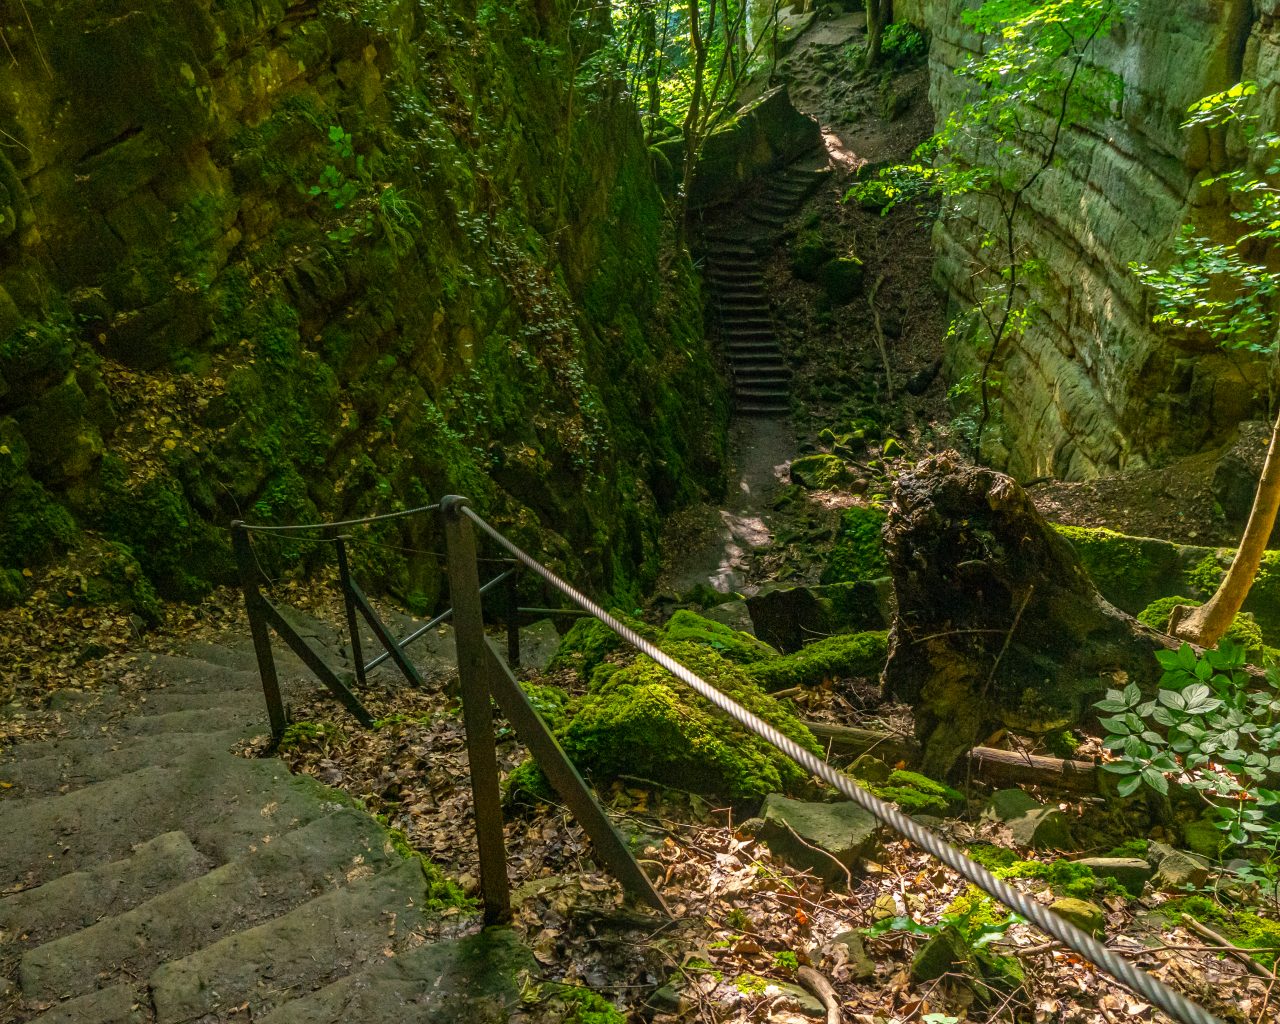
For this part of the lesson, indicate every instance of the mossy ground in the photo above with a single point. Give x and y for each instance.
(858, 553)
(853, 655)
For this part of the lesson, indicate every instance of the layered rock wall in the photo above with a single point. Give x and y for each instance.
(1093, 386)
(284, 260)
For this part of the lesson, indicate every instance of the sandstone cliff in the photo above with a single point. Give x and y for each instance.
(1093, 387)
(283, 259)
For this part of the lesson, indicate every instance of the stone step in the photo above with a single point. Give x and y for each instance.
(749, 332)
(77, 900)
(761, 394)
(744, 380)
(353, 928)
(738, 311)
(471, 980)
(272, 879)
(74, 763)
(240, 801)
(763, 411)
(758, 363)
(752, 344)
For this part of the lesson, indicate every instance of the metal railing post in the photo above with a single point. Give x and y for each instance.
(513, 619)
(477, 710)
(349, 600)
(254, 605)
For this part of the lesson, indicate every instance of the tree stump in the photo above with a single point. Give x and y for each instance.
(997, 623)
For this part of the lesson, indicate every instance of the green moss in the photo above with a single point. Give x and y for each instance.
(1130, 848)
(742, 648)
(1242, 927)
(582, 1006)
(858, 553)
(785, 960)
(309, 736)
(855, 654)
(918, 794)
(1125, 569)
(117, 580)
(992, 857)
(1064, 877)
(33, 527)
(590, 641)
(549, 702)
(977, 908)
(38, 352)
(1204, 576)
(1243, 629)
(751, 984)
(640, 721)
(810, 252)
(527, 785)
(820, 472)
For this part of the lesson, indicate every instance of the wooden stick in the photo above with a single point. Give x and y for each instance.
(820, 987)
(1014, 767)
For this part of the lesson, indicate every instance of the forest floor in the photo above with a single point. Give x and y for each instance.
(746, 924)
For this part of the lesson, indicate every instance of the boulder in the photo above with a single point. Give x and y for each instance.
(734, 614)
(1031, 823)
(849, 948)
(1130, 872)
(789, 617)
(1176, 869)
(538, 644)
(820, 472)
(821, 838)
(1086, 916)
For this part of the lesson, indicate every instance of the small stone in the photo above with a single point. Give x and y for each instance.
(1131, 872)
(817, 837)
(1031, 823)
(854, 951)
(801, 999)
(1177, 869)
(884, 908)
(1084, 915)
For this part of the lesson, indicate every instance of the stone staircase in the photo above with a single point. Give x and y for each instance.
(735, 246)
(153, 877)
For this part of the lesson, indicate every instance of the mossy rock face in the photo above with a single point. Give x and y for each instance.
(858, 553)
(820, 472)
(853, 655)
(735, 646)
(1126, 569)
(810, 252)
(1087, 916)
(639, 721)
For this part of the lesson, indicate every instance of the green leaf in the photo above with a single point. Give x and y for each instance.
(1153, 778)
(1129, 786)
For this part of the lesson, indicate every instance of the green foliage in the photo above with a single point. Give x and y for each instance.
(1032, 80)
(903, 44)
(589, 641)
(527, 785)
(1225, 290)
(1209, 733)
(858, 553)
(846, 656)
(785, 960)
(302, 736)
(33, 527)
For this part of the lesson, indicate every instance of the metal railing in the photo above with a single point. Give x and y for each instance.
(486, 678)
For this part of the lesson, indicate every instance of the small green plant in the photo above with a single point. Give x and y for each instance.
(785, 960)
(340, 188)
(903, 44)
(1207, 732)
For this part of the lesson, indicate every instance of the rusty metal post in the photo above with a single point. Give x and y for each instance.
(254, 605)
(513, 618)
(477, 710)
(349, 600)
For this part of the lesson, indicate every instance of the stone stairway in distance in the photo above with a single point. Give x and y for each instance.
(150, 876)
(735, 248)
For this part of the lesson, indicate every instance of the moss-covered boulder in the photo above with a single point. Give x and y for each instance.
(852, 655)
(637, 720)
(841, 280)
(917, 794)
(729, 643)
(820, 472)
(589, 641)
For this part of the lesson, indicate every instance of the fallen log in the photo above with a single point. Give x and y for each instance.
(988, 764)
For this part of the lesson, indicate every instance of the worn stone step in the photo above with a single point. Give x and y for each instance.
(747, 383)
(57, 766)
(351, 929)
(77, 900)
(272, 879)
(475, 980)
(226, 804)
(197, 675)
(764, 412)
(118, 1004)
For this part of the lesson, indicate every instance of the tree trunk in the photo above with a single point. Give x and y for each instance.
(876, 13)
(1206, 625)
(997, 624)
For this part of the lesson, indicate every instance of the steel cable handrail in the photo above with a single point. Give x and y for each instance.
(1133, 977)
(301, 527)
